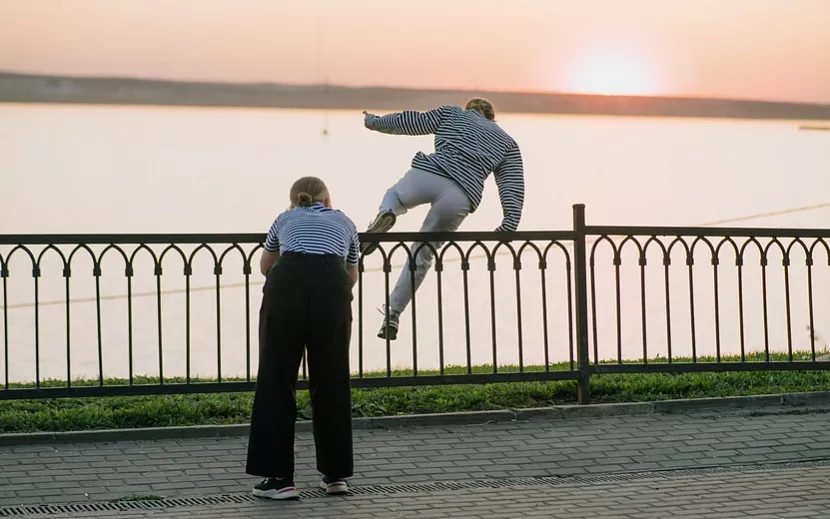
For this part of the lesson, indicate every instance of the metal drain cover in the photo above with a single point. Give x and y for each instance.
(436, 486)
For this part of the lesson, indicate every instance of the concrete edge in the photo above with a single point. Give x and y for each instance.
(670, 406)
(810, 398)
(422, 420)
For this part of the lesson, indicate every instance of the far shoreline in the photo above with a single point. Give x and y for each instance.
(798, 122)
(35, 89)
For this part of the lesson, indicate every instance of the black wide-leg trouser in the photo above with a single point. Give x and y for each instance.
(306, 304)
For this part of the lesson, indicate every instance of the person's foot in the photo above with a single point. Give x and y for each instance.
(277, 488)
(382, 223)
(389, 328)
(334, 486)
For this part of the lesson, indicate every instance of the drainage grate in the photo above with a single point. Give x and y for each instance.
(437, 486)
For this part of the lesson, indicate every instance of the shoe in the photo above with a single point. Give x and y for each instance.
(382, 223)
(334, 486)
(277, 488)
(389, 328)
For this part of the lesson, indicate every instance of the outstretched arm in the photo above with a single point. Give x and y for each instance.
(510, 181)
(408, 122)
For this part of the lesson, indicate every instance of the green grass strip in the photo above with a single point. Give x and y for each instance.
(73, 414)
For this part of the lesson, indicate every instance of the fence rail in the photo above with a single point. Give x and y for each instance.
(132, 314)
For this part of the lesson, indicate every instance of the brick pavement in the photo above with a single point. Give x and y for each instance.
(70, 473)
(779, 494)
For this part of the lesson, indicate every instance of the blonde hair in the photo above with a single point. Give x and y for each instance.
(307, 191)
(482, 106)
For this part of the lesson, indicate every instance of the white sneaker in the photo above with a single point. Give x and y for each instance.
(334, 487)
(389, 328)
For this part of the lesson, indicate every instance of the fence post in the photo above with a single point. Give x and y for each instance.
(581, 300)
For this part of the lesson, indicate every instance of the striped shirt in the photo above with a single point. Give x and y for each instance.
(314, 230)
(468, 147)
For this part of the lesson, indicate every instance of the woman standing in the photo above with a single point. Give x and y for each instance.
(469, 145)
(310, 263)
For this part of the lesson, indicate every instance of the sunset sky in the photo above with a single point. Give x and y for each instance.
(759, 49)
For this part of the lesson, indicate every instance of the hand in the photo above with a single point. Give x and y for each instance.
(367, 117)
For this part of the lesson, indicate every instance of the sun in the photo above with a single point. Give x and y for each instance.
(612, 73)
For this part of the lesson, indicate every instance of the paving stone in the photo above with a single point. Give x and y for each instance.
(522, 449)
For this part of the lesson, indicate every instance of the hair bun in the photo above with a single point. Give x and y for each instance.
(304, 199)
(307, 191)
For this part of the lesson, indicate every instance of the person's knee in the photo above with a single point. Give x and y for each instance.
(423, 262)
(393, 202)
(424, 256)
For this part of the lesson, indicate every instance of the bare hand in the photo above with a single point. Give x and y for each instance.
(368, 118)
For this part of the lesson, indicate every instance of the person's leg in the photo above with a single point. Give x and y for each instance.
(407, 193)
(330, 323)
(271, 441)
(446, 214)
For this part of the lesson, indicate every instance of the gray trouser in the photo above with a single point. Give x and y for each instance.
(448, 208)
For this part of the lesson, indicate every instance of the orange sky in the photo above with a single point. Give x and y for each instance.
(763, 49)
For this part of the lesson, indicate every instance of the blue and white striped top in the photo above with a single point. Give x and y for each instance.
(468, 147)
(314, 230)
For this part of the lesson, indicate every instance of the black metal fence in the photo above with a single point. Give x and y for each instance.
(95, 315)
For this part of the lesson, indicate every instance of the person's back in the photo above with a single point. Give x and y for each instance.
(468, 145)
(314, 229)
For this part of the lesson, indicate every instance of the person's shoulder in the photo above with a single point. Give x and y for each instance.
(450, 108)
(511, 142)
(344, 218)
(285, 215)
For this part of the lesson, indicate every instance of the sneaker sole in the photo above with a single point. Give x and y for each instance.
(335, 489)
(382, 224)
(385, 222)
(388, 333)
(282, 494)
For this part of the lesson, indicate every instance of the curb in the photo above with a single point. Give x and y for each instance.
(817, 398)
(433, 419)
(697, 404)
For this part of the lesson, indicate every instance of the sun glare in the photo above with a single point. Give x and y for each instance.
(612, 73)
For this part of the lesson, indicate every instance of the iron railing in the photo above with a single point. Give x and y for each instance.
(564, 305)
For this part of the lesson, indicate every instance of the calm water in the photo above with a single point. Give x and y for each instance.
(86, 169)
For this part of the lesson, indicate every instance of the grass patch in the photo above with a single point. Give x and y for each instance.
(69, 414)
